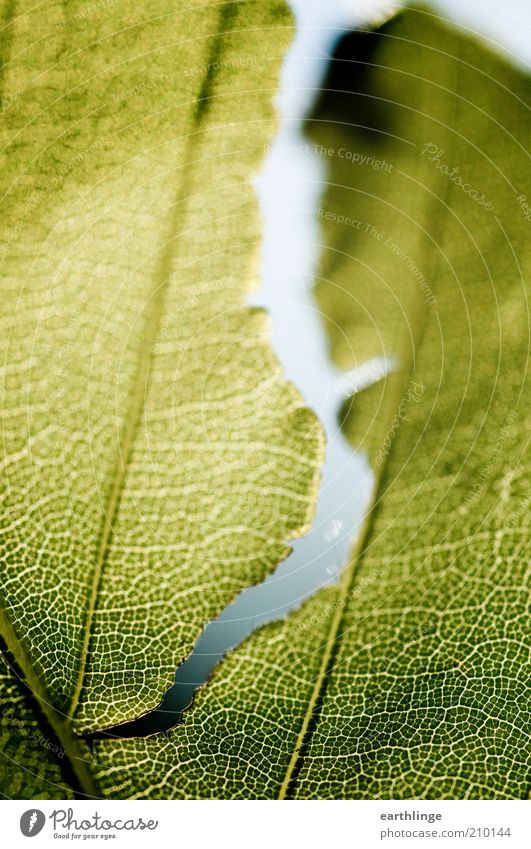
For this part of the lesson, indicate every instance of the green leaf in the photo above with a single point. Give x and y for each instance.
(410, 679)
(30, 758)
(154, 459)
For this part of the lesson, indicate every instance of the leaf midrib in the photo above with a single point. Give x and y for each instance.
(302, 742)
(151, 328)
(74, 747)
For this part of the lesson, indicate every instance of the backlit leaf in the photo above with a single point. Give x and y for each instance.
(410, 680)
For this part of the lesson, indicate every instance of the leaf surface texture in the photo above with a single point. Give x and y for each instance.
(154, 460)
(410, 679)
